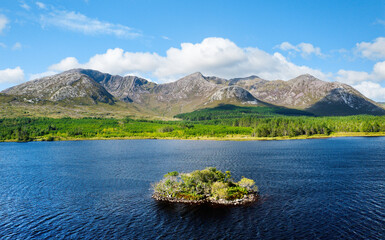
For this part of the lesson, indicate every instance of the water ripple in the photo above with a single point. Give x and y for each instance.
(310, 189)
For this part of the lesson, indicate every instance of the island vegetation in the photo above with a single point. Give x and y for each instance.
(205, 186)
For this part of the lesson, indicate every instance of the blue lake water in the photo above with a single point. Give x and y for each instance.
(310, 189)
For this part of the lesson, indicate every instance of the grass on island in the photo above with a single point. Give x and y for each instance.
(207, 184)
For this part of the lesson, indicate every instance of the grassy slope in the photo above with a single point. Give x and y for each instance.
(232, 111)
(15, 106)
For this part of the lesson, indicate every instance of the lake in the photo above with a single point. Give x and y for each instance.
(310, 189)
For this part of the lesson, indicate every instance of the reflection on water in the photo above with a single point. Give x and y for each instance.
(310, 189)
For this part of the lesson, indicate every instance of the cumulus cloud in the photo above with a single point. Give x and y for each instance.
(3, 22)
(352, 77)
(371, 90)
(80, 23)
(65, 64)
(372, 50)
(355, 77)
(305, 49)
(212, 56)
(11, 75)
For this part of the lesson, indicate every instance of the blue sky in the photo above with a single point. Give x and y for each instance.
(164, 40)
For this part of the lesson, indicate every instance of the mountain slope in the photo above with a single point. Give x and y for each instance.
(234, 94)
(183, 95)
(312, 94)
(127, 89)
(70, 86)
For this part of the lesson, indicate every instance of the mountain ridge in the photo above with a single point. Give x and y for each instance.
(197, 91)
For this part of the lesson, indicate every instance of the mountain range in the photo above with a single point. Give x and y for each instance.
(195, 91)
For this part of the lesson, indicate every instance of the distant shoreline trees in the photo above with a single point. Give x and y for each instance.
(48, 129)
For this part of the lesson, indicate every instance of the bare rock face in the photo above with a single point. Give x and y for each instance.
(127, 89)
(60, 87)
(300, 92)
(234, 93)
(192, 86)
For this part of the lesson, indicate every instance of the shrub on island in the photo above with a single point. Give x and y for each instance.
(207, 185)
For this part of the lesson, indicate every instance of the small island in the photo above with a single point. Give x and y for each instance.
(205, 186)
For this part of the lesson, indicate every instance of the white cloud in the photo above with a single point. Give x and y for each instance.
(41, 5)
(352, 77)
(212, 56)
(371, 90)
(372, 50)
(355, 77)
(3, 45)
(80, 23)
(379, 71)
(305, 49)
(3, 22)
(11, 75)
(25, 6)
(17, 46)
(40, 75)
(65, 64)
(286, 46)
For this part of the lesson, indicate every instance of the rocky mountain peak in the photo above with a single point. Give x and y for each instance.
(304, 78)
(235, 94)
(197, 76)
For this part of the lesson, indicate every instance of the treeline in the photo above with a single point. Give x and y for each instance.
(296, 126)
(48, 129)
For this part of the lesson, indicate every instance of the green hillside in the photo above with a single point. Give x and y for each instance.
(231, 111)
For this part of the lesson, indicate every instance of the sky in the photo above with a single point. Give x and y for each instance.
(164, 40)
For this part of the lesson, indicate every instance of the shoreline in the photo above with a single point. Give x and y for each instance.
(226, 138)
(247, 199)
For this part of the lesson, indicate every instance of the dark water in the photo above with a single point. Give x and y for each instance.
(311, 189)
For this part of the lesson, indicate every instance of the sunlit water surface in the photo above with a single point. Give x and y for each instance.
(310, 189)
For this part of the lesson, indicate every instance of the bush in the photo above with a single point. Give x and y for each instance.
(236, 193)
(246, 183)
(166, 129)
(171, 174)
(219, 190)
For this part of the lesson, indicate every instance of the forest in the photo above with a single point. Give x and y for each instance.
(248, 127)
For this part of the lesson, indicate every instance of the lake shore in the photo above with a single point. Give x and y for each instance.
(250, 198)
(226, 138)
